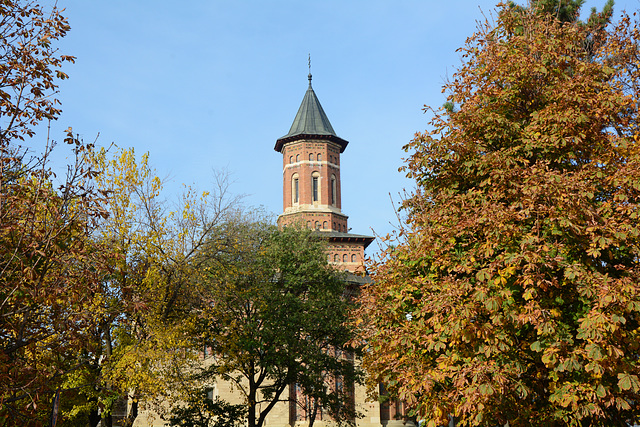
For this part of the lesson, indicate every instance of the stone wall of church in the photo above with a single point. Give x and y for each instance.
(280, 415)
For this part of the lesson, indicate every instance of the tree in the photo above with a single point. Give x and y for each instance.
(50, 267)
(29, 67)
(568, 11)
(273, 316)
(512, 291)
(201, 410)
(145, 332)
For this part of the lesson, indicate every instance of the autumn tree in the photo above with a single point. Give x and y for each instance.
(146, 324)
(50, 267)
(272, 316)
(30, 66)
(50, 270)
(511, 293)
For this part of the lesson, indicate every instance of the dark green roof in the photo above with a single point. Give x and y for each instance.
(336, 236)
(311, 122)
(358, 279)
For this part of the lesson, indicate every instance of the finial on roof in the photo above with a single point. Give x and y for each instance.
(311, 122)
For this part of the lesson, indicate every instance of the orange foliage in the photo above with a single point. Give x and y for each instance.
(512, 293)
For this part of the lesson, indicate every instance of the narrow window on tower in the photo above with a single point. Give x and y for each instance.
(311, 157)
(295, 188)
(315, 188)
(319, 157)
(334, 189)
(315, 184)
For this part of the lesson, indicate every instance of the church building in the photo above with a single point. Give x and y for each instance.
(312, 198)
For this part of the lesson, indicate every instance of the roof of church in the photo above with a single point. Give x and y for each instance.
(311, 122)
(358, 279)
(347, 237)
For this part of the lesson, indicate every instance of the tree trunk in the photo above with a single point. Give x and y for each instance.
(106, 330)
(133, 414)
(94, 418)
(314, 412)
(251, 416)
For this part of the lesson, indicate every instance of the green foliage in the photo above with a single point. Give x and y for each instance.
(273, 315)
(562, 10)
(202, 411)
(519, 260)
(565, 11)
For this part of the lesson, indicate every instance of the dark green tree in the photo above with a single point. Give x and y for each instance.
(567, 11)
(203, 411)
(274, 315)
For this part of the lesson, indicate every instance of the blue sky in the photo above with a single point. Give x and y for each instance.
(210, 85)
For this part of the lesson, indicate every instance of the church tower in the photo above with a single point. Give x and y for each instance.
(311, 183)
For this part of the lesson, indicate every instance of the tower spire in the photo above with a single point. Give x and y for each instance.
(311, 182)
(311, 121)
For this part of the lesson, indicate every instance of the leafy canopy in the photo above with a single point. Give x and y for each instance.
(273, 315)
(511, 294)
(50, 266)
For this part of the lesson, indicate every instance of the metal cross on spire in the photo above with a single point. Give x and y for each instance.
(309, 70)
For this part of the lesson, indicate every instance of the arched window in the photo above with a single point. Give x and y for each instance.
(290, 159)
(344, 258)
(315, 186)
(336, 258)
(334, 225)
(334, 190)
(353, 257)
(324, 225)
(297, 157)
(319, 157)
(295, 189)
(317, 225)
(311, 157)
(328, 257)
(308, 224)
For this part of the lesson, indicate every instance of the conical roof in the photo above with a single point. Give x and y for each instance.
(311, 122)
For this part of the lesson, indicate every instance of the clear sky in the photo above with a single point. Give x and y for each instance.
(209, 85)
